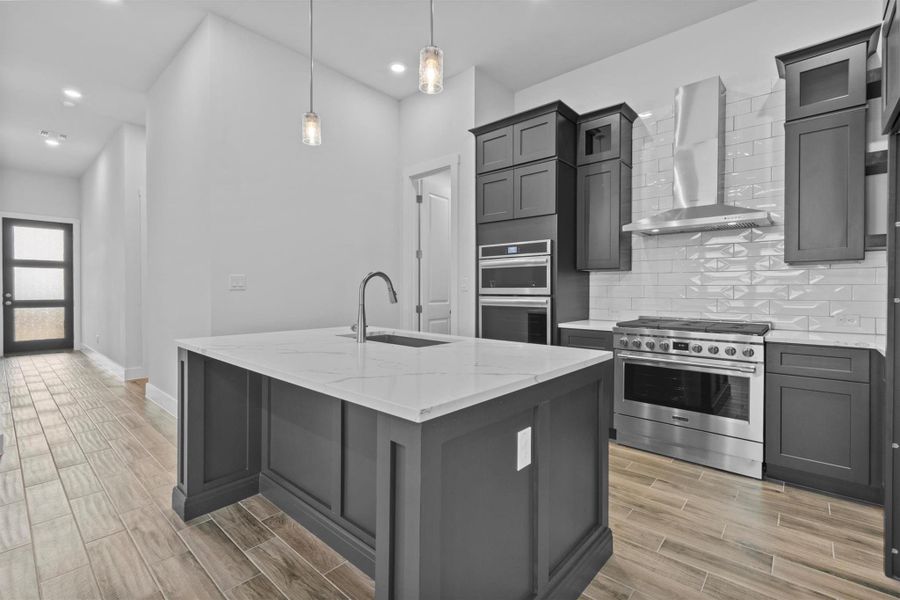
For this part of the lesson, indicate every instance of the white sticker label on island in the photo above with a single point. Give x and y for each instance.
(523, 455)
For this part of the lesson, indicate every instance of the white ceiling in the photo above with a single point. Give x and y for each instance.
(114, 51)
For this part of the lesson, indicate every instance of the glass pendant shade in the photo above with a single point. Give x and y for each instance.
(431, 70)
(312, 129)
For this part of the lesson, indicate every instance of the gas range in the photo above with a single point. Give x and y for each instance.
(730, 340)
(692, 389)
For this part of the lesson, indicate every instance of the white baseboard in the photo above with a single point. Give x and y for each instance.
(161, 399)
(104, 362)
(132, 373)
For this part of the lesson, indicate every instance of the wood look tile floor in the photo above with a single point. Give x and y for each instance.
(89, 464)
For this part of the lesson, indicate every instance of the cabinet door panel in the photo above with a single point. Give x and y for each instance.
(535, 190)
(494, 197)
(581, 338)
(818, 426)
(825, 188)
(494, 150)
(534, 139)
(825, 83)
(603, 205)
(599, 139)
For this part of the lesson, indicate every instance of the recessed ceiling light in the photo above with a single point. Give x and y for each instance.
(644, 115)
(52, 142)
(72, 93)
(398, 67)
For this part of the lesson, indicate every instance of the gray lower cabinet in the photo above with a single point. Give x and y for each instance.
(823, 418)
(818, 426)
(594, 340)
(603, 206)
(825, 187)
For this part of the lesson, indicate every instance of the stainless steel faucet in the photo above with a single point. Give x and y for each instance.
(361, 316)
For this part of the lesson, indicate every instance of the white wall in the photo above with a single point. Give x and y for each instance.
(432, 127)
(40, 194)
(111, 269)
(232, 190)
(727, 274)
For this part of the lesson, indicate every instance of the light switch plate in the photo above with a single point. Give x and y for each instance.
(237, 283)
(523, 453)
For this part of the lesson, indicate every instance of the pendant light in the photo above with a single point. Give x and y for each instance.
(431, 64)
(312, 126)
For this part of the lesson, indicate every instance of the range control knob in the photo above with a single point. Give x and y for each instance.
(730, 351)
(697, 348)
(650, 345)
(664, 346)
(713, 349)
(636, 344)
(623, 342)
(748, 352)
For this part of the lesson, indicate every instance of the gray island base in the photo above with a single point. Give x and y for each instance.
(496, 490)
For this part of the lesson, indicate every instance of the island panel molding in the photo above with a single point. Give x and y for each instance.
(430, 509)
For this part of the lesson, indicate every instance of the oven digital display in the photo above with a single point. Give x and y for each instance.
(512, 249)
(680, 346)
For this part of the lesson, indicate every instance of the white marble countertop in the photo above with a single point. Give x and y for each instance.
(821, 338)
(593, 324)
(416, 384)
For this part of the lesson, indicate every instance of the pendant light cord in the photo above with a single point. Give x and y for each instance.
(432, 22)
(311, 64)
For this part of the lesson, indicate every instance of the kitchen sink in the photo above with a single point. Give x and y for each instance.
(400, 340)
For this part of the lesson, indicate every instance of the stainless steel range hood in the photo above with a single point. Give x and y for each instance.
(699, 163)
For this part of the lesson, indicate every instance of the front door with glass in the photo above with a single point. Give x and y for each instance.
(37, 286)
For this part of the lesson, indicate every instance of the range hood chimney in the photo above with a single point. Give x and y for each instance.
(699, 164)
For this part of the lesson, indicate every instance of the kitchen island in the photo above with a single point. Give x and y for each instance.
(445, 467)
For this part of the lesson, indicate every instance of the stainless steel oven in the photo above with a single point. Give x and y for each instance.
(516, 319)
(694, 390)
(516, 269)
(717, 396)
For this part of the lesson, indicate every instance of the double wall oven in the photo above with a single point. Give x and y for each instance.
(692, 390)
(515, 295)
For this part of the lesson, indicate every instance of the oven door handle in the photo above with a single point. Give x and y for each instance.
(638, 359)
(538, 261)
(523, 302)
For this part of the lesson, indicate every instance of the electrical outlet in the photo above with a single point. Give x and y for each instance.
(848, 321)
(237, 283)
(97, 338)
(464, 284)
(523, 451)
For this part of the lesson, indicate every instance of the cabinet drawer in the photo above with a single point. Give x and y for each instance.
(829, 362)
(604, 138)
(832, 81)
(494, 197)
(586, 338)
(534, 139)
(818, 427)
(825, 187)
(535, 190)
(494, 150)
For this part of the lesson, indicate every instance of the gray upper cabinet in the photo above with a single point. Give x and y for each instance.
(603, 205)
(535, 190)
(827, 77)
(825, 148)
(534, 139)
(605, 134)
(825, 204)
(494, 197)
(494, 150)
(890, 67)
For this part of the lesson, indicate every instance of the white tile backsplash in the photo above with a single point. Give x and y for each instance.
(735, 274)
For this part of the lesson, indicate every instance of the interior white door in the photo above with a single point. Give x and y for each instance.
(434, 275)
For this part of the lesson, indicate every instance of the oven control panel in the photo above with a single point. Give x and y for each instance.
(707, 348)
